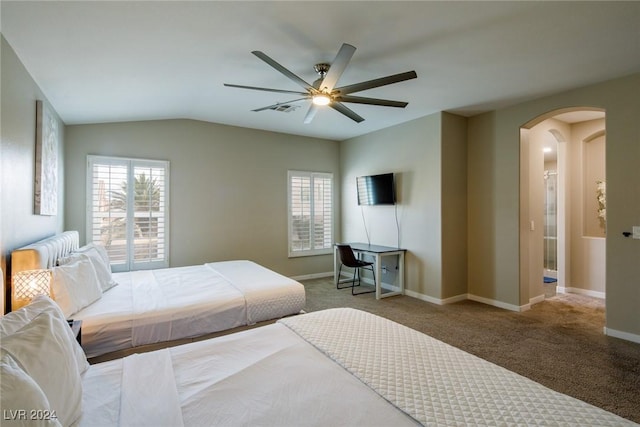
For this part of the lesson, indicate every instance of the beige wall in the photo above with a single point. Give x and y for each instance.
(588, 245)
(589, 138)
(18, 224)
(428, 156)
(493, 207)
(228, 194)
(412, 151)
(454, 206)
(494, 196)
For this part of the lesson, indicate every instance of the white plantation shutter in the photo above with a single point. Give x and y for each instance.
(127, 210)
(323, 208)
(107, 212)
(310, 213)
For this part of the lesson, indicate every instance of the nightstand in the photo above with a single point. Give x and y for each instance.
(76, 327)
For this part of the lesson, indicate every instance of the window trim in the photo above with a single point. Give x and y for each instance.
(131, 163)
(309, 252)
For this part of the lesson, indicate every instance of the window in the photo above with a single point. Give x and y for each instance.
(310, 213)
(128, 211)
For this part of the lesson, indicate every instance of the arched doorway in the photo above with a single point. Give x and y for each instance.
(571, 242)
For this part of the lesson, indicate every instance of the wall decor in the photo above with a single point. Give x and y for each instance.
(601, 194)
(46, 170)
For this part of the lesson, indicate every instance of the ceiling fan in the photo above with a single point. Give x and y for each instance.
(323, 91)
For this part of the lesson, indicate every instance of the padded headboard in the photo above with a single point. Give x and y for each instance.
(44, 253)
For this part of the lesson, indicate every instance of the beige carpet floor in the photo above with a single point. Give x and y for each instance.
(559, 342)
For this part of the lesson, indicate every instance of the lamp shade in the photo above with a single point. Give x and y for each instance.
(27, 284)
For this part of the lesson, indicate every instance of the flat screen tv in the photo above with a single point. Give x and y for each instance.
(376, 189)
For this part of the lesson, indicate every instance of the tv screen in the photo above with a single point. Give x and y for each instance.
(376, 189)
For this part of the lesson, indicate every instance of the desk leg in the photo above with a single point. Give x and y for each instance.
(401, 272)
(335, 265)
(378, 275)
(400, 277)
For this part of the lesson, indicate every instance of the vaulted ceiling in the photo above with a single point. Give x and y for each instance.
(123, 61)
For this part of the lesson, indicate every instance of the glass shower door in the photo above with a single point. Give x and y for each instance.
(550, 224)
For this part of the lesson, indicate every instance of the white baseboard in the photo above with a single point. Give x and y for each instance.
(622, 335)
(536, 300)
(456, 298)
(313, 276)
(423, 297)
(433, 300)
(463, 297)
(580, 291)
(499, 304)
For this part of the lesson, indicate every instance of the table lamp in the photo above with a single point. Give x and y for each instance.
(27, 284)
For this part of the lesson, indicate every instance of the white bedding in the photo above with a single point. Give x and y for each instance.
(261, 377)
(168, 304)
(335, 367)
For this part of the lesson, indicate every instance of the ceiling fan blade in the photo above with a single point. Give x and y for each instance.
(283, 70)
(266, 89)
(269, 107)
(313, 109)
(346, 111)
(337, 66)
(382, 81)
(371, 101)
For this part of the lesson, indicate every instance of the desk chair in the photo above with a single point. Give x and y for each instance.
(348, 258)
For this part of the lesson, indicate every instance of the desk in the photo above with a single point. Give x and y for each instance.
(377, 252)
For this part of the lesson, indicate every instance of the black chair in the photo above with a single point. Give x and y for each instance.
(348, 258)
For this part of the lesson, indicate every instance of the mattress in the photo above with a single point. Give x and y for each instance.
(334, 367)
(153, 306)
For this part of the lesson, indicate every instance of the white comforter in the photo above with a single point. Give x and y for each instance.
(336, 367)
(262, 377)
(168, 304)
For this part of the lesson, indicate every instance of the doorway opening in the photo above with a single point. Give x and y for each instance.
(550, 238)
(562, 171)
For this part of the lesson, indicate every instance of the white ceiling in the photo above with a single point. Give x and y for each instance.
(121, 61)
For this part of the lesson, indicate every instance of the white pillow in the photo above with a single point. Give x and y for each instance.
(92, 246)
(22, 401)
(41, 350)
(16, 320)
(101, 251)
(75, 285)
(103, 271)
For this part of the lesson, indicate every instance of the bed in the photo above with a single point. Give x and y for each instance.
(332, 367)
(157, 306)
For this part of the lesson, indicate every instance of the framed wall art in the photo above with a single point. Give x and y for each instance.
(46, 170)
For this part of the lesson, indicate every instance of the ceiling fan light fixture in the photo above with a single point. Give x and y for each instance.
(324, 92)
(321, 99)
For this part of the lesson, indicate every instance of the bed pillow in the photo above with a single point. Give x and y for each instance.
(102, 251)
(41, 349)
(75, 285)
(92, 246)
(20, 395)
(97, 258)
(16, 320)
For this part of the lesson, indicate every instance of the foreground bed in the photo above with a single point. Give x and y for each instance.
(334, 367)
(155, 306)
